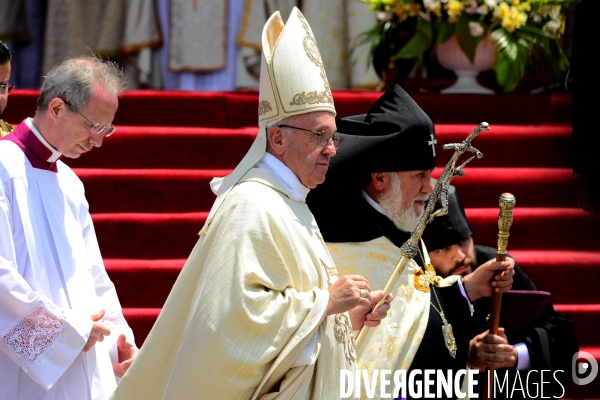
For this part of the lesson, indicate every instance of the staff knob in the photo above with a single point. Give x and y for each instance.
(505, 218)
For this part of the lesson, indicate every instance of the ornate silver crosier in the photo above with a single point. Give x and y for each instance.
(409, 248)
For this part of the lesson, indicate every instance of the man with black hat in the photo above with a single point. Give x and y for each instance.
(547, 342)
(371, 201)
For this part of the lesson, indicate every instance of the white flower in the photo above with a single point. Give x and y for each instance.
(491, 3)
(472, 8)
(431, 4)
(482, 9)
(552, 11)
(552, 26)
(476, 29)
(384, 16)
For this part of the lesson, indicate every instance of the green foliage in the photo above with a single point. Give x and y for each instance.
(466, 41)
(421, 41)
(512, 59)
(526, 32)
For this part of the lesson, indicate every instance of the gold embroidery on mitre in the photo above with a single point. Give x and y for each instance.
(342, 328)
(310, 98)
(264, 107)
(424, 279)
(312, 51)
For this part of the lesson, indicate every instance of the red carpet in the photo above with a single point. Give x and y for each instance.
(149, 195)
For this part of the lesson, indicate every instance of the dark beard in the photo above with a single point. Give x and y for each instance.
(472, 264)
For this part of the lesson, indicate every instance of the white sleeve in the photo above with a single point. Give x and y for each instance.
(34, 333)
(464, 293)
(523, 362)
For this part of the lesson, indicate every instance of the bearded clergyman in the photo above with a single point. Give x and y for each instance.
(376, 191)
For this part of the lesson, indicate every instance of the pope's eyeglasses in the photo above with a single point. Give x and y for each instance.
(322, 138)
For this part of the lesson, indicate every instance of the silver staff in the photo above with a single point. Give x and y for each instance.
(409, 248)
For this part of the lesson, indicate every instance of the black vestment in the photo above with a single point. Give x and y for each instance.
(551, 341)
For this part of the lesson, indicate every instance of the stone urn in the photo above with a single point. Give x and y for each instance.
(451, 56)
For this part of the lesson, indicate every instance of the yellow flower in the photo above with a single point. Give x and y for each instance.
(501, 11)
(512, 18)
(403, 11)
(413, 9)
(454, 8)
(526, 6)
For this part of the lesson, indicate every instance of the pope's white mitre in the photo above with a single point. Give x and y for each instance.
(292, 74)
(292, 82)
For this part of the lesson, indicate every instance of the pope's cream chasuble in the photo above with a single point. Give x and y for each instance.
(393, 344)
(250, 297)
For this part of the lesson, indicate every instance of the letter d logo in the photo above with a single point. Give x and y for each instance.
(581, 368)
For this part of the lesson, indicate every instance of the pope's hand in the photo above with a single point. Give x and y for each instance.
(482, 281)
(127, 353)
(362, 315)
(487, 350)
(98, 331)
(348, 292)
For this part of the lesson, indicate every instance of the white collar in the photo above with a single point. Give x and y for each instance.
(55, 154)
(284, 176)
(372, 202)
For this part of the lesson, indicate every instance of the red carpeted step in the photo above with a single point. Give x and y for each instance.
(141, 321)
(148, 190)
(159, 236)
(510, 145)
(143, 283)
(169, 147)
(539, 228)
(152, 236)
(560, 272)
(239, 108)
(532, 187)
(178, 190)
(586, 320)
(213, 148)
(146, 283)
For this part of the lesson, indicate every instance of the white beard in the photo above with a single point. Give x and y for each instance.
(404, 218)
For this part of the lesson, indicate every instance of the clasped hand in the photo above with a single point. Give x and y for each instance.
(345, 295)
(125, 350)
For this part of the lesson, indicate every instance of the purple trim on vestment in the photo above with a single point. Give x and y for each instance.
(37, 153)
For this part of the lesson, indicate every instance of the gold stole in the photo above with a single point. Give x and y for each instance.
(393, 344)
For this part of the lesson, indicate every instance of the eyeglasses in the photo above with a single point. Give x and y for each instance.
(322, 138)
(96, 128)
(6, 88)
